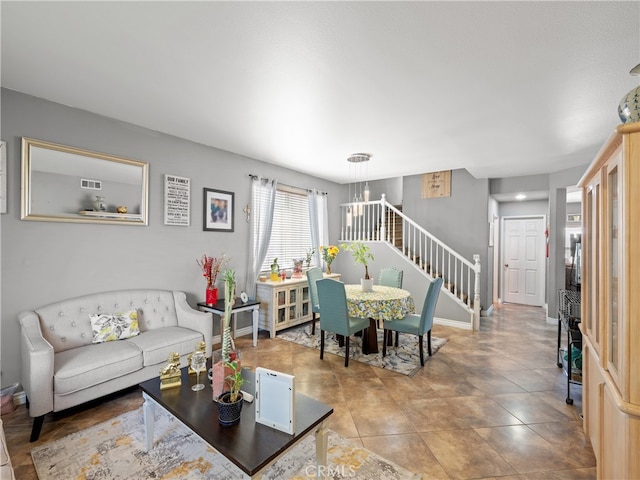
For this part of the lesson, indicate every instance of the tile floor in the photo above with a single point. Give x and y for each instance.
(489, 404)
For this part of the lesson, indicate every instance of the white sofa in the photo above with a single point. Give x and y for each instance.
(62, 367)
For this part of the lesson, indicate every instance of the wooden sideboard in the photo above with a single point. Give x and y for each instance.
(611, 304)
(285, 303)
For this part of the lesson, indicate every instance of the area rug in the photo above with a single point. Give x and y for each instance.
(404, 359)
(114, 450)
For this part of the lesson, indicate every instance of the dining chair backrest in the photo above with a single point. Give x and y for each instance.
(333, 303)
(390, 277)
(429, 307)
(313, 275)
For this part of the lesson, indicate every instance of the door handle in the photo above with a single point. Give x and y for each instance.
(506, 265)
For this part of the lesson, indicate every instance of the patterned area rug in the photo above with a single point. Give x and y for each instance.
(404, 359)
(114, 450)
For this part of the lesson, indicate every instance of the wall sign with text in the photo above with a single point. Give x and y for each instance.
(436, 184)
(177, 200)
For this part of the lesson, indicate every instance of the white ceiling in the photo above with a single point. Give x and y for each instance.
(499, 88)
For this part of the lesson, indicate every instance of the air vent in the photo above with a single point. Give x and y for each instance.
(90, 184)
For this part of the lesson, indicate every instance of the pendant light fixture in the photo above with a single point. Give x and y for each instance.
(357, 162)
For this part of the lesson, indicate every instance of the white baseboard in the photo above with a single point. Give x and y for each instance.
(552, 320)
(452, 323)
(240, 332)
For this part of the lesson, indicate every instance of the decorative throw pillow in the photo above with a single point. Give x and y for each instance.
(108, 327)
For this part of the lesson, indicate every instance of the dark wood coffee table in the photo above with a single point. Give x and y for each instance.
(251, 446)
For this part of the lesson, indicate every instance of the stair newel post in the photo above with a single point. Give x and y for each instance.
(383, 224)
(476, 293)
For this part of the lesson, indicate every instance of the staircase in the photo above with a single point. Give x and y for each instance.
(382, 222)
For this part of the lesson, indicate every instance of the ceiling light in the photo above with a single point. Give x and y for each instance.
(521, 196)
(360, 194)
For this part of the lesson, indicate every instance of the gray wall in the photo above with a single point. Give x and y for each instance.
(391, 187)
(44, 262)
(514, 209)
(460, 220)
(558, 183)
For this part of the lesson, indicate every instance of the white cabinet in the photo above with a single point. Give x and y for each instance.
(284, 304)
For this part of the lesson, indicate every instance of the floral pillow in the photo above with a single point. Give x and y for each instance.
(108, 327)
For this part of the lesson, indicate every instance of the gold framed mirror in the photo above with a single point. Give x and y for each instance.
(67, 184)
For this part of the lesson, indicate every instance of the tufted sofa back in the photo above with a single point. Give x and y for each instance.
(66, 324)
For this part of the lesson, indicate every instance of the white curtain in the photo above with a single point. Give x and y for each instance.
(263, 198)
(319, 222)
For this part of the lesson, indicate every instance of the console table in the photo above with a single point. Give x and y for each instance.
(285, 303)
(238, 306)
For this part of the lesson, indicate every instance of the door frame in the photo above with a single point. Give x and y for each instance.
(542, 247)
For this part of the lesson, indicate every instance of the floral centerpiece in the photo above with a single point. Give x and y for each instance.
(211, 266)
(329, 254)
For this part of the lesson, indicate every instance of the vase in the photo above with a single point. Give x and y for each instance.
(366, 284)
(99, 204)
(328, 269)
(629, 107)
(229, 412)
(219, 372)
(211, 296)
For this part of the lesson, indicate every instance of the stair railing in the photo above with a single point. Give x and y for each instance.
(376, 221)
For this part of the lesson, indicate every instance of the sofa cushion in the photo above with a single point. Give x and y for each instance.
(108, 327)
(84, 367)
(156, 345)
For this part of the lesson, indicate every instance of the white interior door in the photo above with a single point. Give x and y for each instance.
(523, 260)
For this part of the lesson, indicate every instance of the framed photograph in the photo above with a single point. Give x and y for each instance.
(275, 400)
(218, 210)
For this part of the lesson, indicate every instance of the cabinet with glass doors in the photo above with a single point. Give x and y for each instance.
(610, 304)
(284, 303)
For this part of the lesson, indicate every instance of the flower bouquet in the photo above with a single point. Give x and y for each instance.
(329, 253)
(211, 266)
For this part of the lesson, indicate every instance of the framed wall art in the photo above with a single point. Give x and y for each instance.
(218, 210)
(436, 184)
(177, 200)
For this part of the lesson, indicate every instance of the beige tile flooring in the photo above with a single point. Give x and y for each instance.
(488, 404)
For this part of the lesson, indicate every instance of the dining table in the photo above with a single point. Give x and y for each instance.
(380, 304)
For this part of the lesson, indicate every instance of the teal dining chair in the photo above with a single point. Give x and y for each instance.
(313, 275)
(417, 324)
(390, 277)
(335, 314)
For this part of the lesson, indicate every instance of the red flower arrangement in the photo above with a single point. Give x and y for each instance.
(211, 266)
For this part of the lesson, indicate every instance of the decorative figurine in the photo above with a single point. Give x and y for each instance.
(200, 347)
(170, 374)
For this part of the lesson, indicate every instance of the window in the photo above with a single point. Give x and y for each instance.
(291, 231)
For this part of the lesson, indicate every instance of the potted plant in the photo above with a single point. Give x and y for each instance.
(230, 402)
(275, 270)
(362, 255)
(221, 369)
